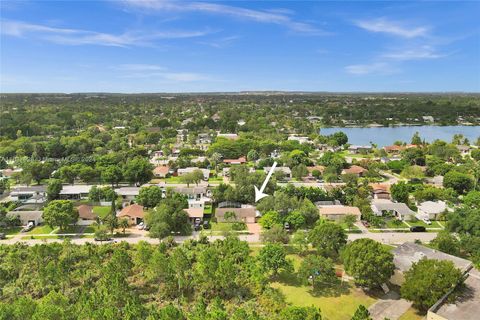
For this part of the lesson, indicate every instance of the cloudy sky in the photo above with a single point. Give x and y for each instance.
(180, 46)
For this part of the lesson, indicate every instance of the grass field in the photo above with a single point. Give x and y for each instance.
(40, 230)
(338, 303)
(208, 209)
(395, 224)
(101, 211)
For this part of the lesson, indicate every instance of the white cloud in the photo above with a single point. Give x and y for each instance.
(383, 25)
(423, 52)
(84, 37)
(373, 68)
(139, 67)
(278, 16)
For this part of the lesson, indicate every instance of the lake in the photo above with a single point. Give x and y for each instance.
(384, 136)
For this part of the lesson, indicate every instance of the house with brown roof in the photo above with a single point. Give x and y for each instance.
(195, 213)
(85, 212)
(393, 149)
(161, 171)
(315, 168)
(339, 212)
(134, 213)
(244, 214)
(356, 170)
(240, 160)
(380, 191)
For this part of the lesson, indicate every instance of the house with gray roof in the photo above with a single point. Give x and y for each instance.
(26, 217)
(400, 210)
(431, 209)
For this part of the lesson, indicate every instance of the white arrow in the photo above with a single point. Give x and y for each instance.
(259, 193)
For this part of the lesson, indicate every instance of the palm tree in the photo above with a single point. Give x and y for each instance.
(215, 159)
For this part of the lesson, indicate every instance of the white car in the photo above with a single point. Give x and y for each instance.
(427, 221)
(140, 226)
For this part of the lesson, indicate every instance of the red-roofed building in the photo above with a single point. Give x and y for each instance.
(240, 160)
(134, 213)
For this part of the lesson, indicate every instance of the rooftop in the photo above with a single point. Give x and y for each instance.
(466, 305)
(408, 253)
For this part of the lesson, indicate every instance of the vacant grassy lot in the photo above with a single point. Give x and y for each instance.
(101, 211)
(338, 303)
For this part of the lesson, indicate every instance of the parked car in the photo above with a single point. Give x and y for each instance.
(28, 227)
(427, 221)
(206, 224)
(3, 236)
(418, 229)
(365, 223)
(141, 226)
(197, 227)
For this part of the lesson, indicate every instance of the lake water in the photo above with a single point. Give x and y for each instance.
(384, 136)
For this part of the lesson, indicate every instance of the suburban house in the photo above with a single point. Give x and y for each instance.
(128, 193)
(359, 149)
(194, 193)
(436, 181)
(394, 149)
(380, 191)
(161, 171)
(31, 194)
(301, 140)
(203, 139)
(356, 170)
(134, 213)
(229, 136)
(240, 160)
(200, 159)
(195, 213)
(338, 212)
(431, 209)
(27, 216)
(399, 210)
(244, 214)
(85, 212)
(285, 170)
(75, 192)
(408, 253)
(464, 150)
(184, 171)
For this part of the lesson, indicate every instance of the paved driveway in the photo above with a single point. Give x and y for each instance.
(390, 307)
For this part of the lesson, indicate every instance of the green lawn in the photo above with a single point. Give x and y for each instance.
(340, 307)
(173, 180)
(208, 209)
(89, 229)
(44, 229)
(423, 224)
(395, 224)
(222, 226)
(339, 303)
(70, 229)
(101, 211)
(10, 231)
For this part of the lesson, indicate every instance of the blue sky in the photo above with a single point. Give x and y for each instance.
(187, 46)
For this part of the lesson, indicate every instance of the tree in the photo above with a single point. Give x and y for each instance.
(472, 199)
(300, 241)
(272, 258)
(87, 174)
(187, 178)
(368, 262)
(428, 280)
(138, 171)
(295, 219)
(60, 213)
(252, 155)
(169, 217)
(197, 176)
(350, 220)
(317, 271)
(400, 192)
(276, 234)
(112, 174)
(68, 173)
(150, 197)
(416, 140)
(328, 238)
(39, 171)
(299, 171)
(53, 306)
(361, 313)
(460, 182)
(123, 223)
(53, 189)
(111, 219)
(270, 219)
(446, 242)
(300, 313)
